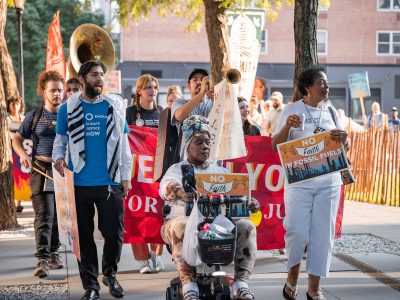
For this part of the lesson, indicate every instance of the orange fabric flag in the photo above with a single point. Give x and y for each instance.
(55, 59)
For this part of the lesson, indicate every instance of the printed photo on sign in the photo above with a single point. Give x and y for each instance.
(312, 156)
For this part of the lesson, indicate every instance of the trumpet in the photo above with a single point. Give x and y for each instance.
(233, 75)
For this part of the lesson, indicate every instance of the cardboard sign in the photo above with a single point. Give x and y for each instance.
(223, 184)
(312, 156)
(66, 210)
(359, 85)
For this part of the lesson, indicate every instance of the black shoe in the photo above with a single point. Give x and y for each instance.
(91, 294)
(20, 208)
(115, 288)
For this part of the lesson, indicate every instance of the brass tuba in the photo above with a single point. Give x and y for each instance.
(90, 42)
(233, 75)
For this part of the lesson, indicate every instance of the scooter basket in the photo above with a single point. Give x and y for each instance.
(220, 252)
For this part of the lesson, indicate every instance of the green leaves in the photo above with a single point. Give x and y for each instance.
(37, 17)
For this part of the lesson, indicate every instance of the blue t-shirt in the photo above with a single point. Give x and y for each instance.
(95, 172)
(45, 131)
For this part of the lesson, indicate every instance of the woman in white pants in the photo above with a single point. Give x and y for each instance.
(310, 206)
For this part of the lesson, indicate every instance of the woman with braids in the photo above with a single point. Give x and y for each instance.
(145, 112)
(310, 206)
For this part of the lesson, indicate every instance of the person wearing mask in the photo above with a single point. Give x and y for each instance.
(248, 129)
(145, 112)
(196, 137)
(39, 125)
(15, 116)
(173, 92)
(311, 205)
(93, 126)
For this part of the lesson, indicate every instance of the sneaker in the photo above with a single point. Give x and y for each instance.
(190, 291)
(42, 268)
(159, 264)
(240, 291)
(156, 261)
(145, 267)
(55, 261)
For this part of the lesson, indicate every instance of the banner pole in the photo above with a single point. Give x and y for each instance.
(364, 118)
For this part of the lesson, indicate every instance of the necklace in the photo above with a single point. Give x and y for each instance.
(318, 129)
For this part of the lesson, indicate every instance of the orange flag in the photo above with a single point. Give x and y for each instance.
(55, 59)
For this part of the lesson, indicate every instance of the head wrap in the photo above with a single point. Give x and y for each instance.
(191, 126)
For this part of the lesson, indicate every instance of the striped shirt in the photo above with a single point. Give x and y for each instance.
(45, 131)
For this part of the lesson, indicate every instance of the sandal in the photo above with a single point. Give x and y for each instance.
(289, 291)
(318, 297)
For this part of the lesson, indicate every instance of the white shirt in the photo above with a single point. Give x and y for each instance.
(314, 117)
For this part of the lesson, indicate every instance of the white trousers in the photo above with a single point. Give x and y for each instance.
(310, 221)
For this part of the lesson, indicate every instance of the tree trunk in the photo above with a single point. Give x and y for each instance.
(217, 32)
(305, 37)
(8, 88)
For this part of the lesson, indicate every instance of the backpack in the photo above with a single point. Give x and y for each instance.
(35, 120)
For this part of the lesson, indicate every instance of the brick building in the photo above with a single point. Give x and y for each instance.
(353, 36)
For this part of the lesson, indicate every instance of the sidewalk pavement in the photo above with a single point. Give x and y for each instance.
(345, 281)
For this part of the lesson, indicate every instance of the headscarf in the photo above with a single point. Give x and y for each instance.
(190, 127)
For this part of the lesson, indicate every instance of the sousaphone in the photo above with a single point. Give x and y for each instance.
(90, 42)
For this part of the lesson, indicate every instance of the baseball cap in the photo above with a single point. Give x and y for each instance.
(394, 108)
(195, 71)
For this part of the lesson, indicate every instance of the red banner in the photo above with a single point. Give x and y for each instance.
(55, 59)
(266, 181)
(143, 216)
(143, 205)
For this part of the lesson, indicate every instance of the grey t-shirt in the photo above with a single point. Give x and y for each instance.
(203, 109)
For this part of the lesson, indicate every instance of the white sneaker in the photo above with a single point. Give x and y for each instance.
(159, 264)
(240, 290)
(144, 267)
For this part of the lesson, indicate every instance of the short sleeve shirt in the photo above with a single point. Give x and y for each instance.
(149, 116)
(95, 171)
(314, 117)
(45, 131)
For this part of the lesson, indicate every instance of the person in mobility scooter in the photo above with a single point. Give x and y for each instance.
(196, 136)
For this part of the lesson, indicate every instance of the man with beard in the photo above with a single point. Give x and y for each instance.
(39, 125)
(275, 112)
(93, 126)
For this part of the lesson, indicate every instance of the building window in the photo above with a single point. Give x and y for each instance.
(322, 6)
(322, 42)
(389, 5)
(388, 43)
(264, 42)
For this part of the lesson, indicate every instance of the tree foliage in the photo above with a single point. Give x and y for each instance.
(213, 11)
(37, 17)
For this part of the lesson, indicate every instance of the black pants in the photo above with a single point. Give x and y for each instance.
(110, 211)
(44, 206)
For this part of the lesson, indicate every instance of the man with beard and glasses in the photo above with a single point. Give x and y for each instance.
(94, 127)
(39, 125)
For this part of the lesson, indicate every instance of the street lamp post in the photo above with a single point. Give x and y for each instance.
(19, 9)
